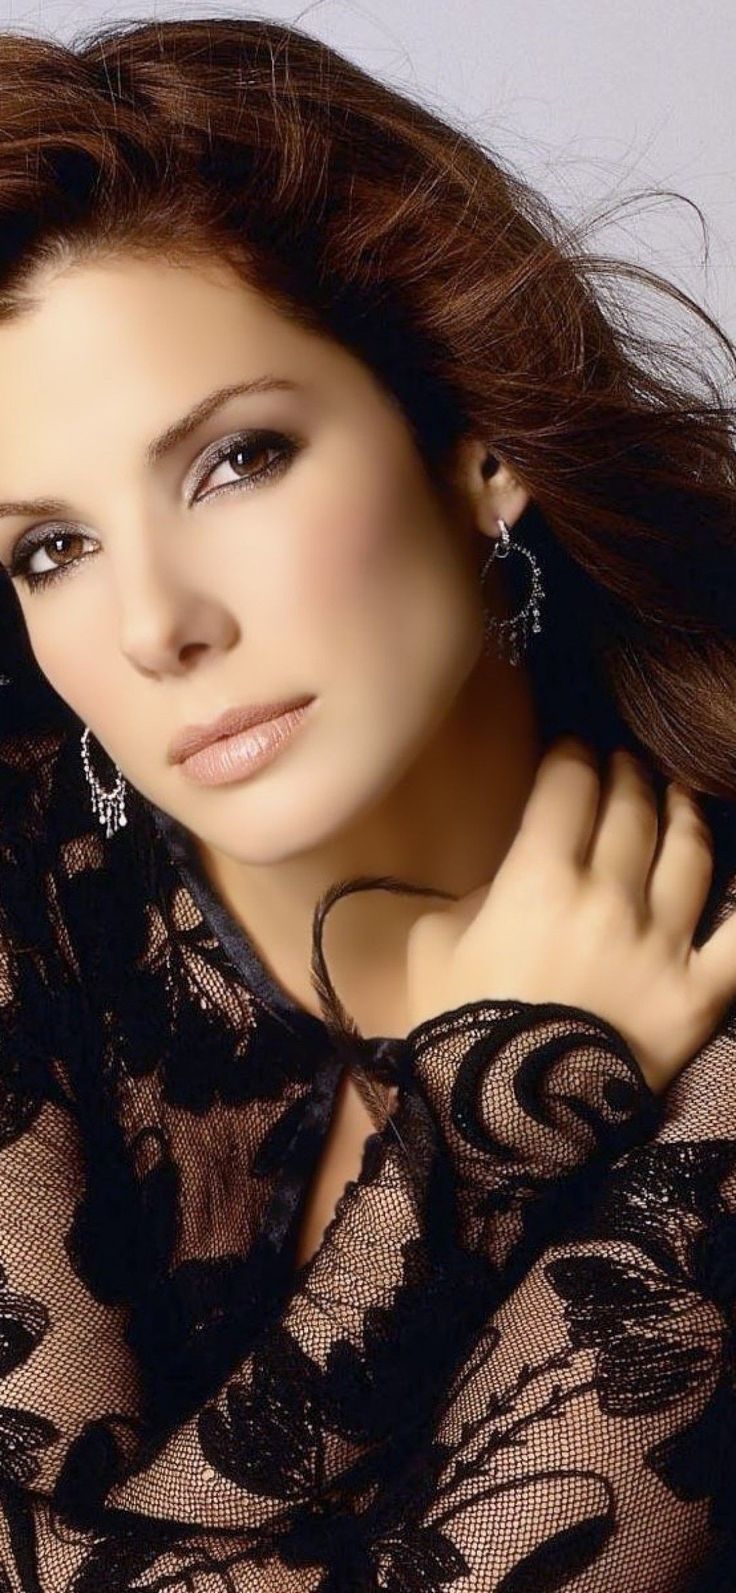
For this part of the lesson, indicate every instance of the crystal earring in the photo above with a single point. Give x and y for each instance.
(517, 624)
(108, 805)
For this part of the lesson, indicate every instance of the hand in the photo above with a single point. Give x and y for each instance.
(592, 906)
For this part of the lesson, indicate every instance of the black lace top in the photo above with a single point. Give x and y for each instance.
(508, 1366)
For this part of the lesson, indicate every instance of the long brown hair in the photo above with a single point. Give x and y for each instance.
(366, 216)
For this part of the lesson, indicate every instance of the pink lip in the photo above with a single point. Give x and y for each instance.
(236, 758)
(193, 737)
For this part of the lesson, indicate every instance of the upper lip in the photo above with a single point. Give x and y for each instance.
(192, 737)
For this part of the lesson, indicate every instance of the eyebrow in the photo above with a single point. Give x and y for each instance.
(168, 440)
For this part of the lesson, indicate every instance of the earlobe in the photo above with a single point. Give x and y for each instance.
(489, 486)
(502, 497)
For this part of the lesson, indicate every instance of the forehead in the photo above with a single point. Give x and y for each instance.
(107, 315)
(124, 346)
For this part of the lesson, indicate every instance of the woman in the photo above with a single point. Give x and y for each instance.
(432, 1285)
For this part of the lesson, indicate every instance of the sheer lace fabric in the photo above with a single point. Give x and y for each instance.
(509, 1365)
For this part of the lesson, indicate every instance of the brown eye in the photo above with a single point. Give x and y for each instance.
(248, 448)
(245, 448)
(54, 545)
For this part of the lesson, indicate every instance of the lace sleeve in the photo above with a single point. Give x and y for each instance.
(532, 1101)
(325, 1406)
(588, 1439)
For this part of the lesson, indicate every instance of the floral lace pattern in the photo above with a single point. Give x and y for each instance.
(509, 1365)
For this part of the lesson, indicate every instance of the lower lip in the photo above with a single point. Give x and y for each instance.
(235, 757)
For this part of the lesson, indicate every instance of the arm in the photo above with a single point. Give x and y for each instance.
(589, 1438)
(584, 1437)
(295, 1425)
(532, 1100)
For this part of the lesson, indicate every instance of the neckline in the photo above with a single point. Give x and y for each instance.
(383, 1056)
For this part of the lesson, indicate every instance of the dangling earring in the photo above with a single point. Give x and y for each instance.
(108, 805)
(517, 623)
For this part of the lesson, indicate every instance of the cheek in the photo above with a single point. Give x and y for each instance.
(355, 570)
(384, 588)
(62, 648)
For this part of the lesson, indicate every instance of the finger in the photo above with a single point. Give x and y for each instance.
(681, 877)
(562, 805)
(627, 832)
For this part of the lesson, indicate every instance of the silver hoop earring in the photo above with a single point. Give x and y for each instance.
(518, 625)
(108, 805)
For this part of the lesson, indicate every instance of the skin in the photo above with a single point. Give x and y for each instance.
(343, 575)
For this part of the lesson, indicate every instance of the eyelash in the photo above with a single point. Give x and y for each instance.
(251, 442)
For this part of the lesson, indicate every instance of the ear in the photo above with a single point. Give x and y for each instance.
(489, 487)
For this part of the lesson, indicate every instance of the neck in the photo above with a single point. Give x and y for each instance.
(447, 824)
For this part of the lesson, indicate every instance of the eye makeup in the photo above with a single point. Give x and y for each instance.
(250, 444)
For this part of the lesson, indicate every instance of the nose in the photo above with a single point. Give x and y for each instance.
(166, 617)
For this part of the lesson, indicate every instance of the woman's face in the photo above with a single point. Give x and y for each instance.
(185, 586)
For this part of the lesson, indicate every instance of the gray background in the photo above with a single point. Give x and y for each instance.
(590, 100)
